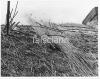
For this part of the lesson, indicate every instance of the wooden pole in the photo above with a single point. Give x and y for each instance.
(7, 16)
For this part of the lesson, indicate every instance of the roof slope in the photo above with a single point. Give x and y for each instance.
(93, 15)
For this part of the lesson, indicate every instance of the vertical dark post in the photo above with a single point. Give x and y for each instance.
(7, 17)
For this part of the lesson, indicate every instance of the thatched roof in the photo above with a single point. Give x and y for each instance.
(93, 15)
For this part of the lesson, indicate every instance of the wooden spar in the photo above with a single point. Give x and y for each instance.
(7, 17)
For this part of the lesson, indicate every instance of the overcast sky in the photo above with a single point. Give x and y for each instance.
(59, 11)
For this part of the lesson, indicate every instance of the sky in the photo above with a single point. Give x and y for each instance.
(58, 11)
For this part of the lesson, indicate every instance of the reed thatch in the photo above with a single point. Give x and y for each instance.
(77, 56)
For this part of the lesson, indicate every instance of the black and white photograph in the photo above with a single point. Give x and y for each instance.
(49, 38)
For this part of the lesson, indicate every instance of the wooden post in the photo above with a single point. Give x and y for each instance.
(7, 17)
